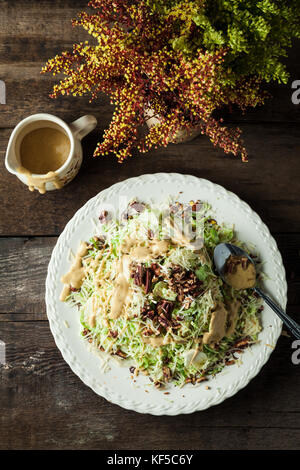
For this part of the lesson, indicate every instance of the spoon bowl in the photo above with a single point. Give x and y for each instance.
(221, 255)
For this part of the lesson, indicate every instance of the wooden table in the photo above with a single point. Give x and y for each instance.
(43, 405)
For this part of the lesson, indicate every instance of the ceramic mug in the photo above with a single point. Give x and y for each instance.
(63, 175)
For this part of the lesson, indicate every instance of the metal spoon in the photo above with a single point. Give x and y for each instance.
(221, 254)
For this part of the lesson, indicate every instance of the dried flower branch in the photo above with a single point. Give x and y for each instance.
(135, 63)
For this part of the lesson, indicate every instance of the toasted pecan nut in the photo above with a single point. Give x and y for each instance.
(138, 275)
(201, 379)
(121, 354)
(242, 343)
(148, 281)
(163, 322)
(113, 334)
(103, 217)
(167, 373)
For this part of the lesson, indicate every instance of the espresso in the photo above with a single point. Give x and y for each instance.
(44, 150)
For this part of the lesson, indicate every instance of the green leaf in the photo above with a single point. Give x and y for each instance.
(202, 272)
(214, 235)
(161, 290)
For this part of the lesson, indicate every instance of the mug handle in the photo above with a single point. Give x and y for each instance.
(83, 126)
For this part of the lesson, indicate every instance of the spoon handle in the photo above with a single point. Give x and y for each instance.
(287, 320)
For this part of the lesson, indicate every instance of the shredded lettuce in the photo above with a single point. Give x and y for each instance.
(183, 354)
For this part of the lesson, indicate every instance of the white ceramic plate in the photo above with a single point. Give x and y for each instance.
(116, 384)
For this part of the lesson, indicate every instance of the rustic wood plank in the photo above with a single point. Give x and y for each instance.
(23, 268)
(43, 404)
(74, 417)
(22, 102)
(38, 18)
(274, 153)
(21, 317)
(29, 35)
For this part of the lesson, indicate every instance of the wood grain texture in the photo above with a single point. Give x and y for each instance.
(35, 369)
(23, 268)
(53, 409)
(43, 405)
(274, 156)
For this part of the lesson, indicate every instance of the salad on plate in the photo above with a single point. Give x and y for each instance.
(147, 292)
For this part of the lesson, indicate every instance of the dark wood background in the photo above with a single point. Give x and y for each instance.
(43, 405)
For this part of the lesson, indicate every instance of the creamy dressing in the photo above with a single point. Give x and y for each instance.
(138, 252)
(42, 152)
(92, 320)
(240, 273)
(156, 341)
(121, 289)
(217, 326)
(76, 274)
(89, 312)
(132, 251)
(233, 308)
(39, 182)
